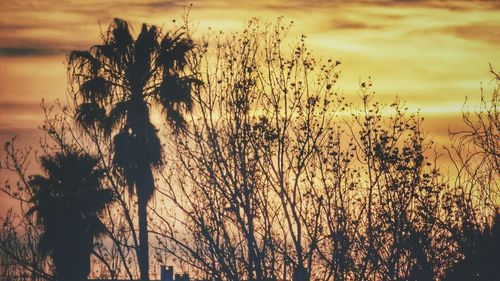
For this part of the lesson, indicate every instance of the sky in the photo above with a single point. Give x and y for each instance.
(431, 54)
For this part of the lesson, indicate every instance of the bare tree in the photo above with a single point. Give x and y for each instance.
(473, 201)
(246, 181)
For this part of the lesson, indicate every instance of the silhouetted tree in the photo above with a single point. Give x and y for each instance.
(67, 201)
(480, 255)
(114, 251)
(402, 191)
(19, 234)
(118, 83)
(475, 152)
(244, 182)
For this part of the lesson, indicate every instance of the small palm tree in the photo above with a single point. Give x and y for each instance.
(118, 83)
(67, 201)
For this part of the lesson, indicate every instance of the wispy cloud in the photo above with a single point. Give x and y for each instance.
(16, 106)
(30, 51)
(487, 31)
(19, 115)
(350, 24)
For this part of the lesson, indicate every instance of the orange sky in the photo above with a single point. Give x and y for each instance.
(430, 53)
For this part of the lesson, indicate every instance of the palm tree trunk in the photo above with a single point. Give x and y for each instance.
(145, 188)
(142, 204)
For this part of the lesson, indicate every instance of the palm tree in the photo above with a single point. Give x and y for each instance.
(118, 83)
(67, 201)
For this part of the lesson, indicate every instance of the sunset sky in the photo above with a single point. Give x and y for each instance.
(433, 54)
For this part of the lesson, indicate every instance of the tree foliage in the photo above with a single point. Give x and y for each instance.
(117, 83)
(67, 201)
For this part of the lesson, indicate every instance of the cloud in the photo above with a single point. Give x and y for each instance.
(30, 51)
(346, 24)
(163, 4)
(6, 134)
(14, 106)
(488, 32)
(436, 4)
(16, 115)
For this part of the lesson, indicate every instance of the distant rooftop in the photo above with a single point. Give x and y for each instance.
(166, 274)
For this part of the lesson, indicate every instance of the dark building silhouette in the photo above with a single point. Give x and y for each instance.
(166, 274)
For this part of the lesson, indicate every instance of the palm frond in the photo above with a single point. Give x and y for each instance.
(146, 44)
(116, 116)
(50, 166)
(180, 52)
(90, 113)
(120, 38)
(175, 91)
(174, 52)
(84, 60)
(176, 120)
(96, 89)
(104, 51)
